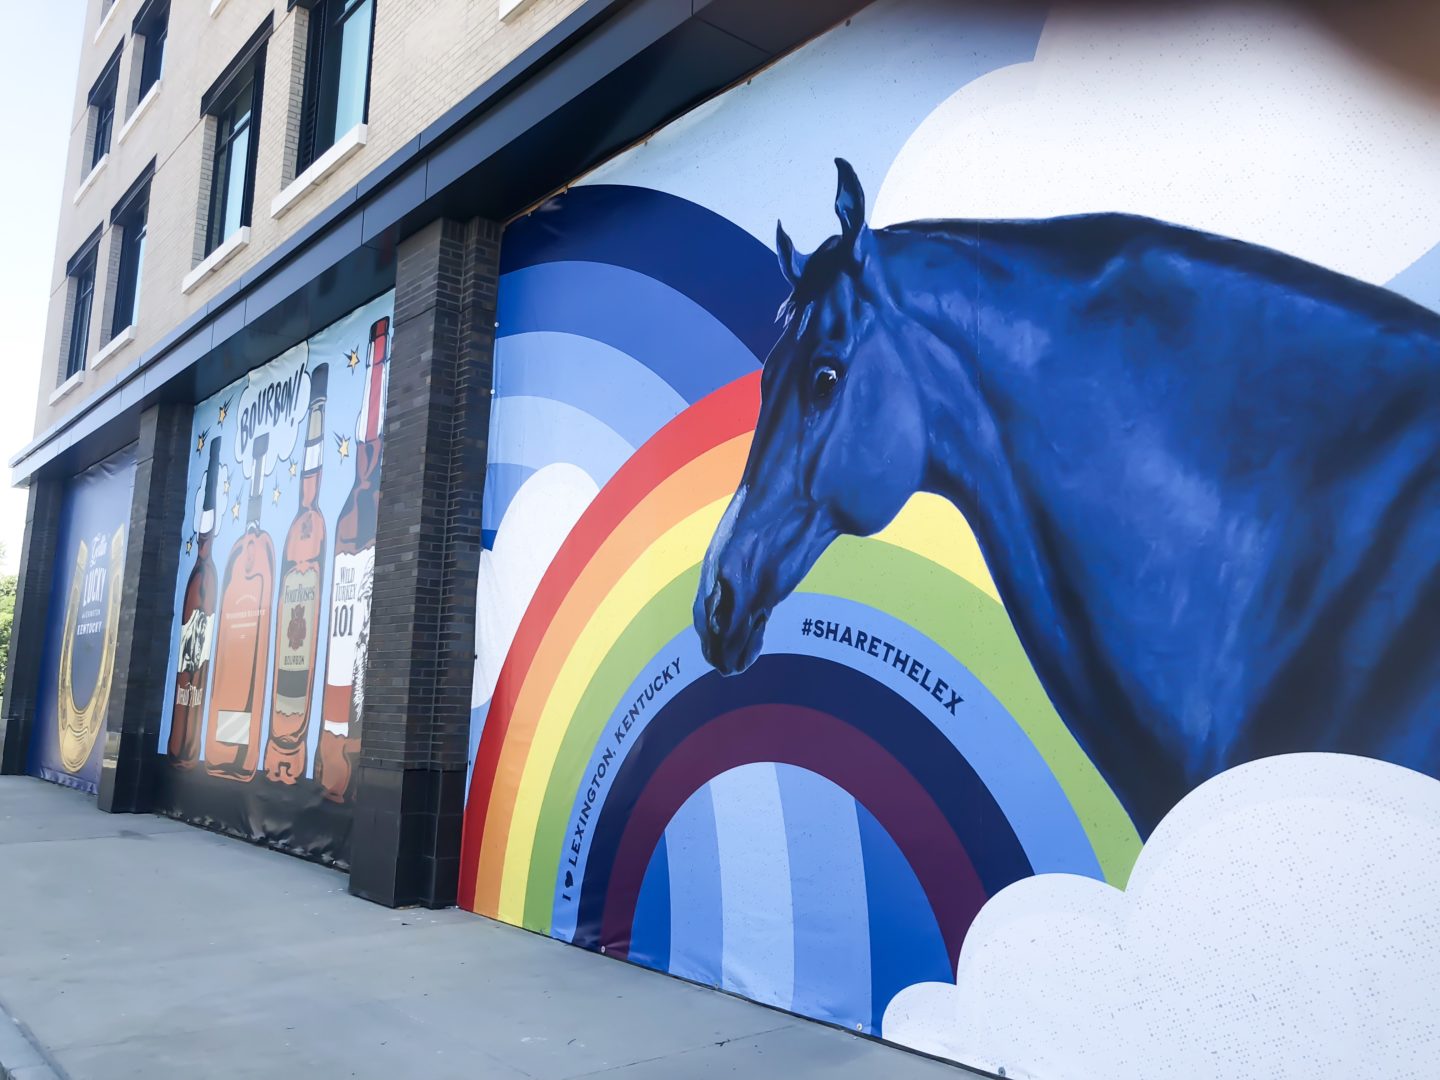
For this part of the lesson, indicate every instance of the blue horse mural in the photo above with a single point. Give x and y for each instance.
(1205, 476)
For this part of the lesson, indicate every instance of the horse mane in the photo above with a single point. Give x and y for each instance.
(1083, 244)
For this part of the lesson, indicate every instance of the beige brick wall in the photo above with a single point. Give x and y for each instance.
(427, 55)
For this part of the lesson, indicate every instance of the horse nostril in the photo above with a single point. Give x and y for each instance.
(722, 605)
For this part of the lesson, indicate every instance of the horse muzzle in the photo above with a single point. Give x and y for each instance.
(730, 635)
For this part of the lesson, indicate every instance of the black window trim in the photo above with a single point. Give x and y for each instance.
(137, 27)
(307, 152)
(126, 291)
(224, 82)
(146, 9)
(111, 68)
(78, 351)
(86, 252)
(219, 183)
(110, 74)
(249, 61)
(139, 189)
(122, 204)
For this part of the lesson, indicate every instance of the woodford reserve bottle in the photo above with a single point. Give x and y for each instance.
(344, 702)
(299, 613)
(196, 628)
(242, 636)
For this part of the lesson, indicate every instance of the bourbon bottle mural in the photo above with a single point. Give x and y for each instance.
(344, 701)
(196, 629)
(271, 623)
(299, 612)
(242, 638)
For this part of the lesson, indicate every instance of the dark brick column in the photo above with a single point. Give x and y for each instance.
(27, 632)
(410, 793)
(139, 692)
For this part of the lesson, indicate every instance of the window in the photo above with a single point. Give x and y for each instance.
(232, 173)
(129, 216)
(81, 272)
(337, 74)
(102, 109)
(151, 26)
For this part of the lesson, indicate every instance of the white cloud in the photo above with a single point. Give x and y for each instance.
(536, 522)
(1283, 921)
(1242, 121)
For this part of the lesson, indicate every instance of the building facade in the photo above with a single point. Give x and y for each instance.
(991, 611)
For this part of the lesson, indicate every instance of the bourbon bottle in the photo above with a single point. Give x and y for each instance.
(299, 612)
(242, 638)
(343, 705)
(197, 618)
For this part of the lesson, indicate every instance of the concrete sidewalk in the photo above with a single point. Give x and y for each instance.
(134, 946)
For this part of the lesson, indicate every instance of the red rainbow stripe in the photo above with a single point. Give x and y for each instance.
(724, 415)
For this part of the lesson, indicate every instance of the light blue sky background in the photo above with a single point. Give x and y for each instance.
(37, 87)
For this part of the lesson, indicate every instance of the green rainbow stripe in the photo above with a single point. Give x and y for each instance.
(948, 609)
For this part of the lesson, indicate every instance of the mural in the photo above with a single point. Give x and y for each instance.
(627, 797)
(78, 665)
(1176, 598)
(269, 645)
(1040, 604)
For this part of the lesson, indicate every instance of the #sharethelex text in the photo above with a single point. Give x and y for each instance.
(628, 719)
(876, 646)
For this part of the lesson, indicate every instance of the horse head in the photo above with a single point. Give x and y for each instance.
(839, 444)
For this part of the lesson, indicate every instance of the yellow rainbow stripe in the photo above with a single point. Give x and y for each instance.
(928, 526)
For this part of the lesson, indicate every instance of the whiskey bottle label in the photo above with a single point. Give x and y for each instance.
(232, 727)
(195, 638)
(349, 615)
(299, 609)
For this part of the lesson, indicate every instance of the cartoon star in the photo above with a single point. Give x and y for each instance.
(226, 485)
(235, 510)
(224, 410)
(200, 442)
(354, 360)
(275, 495)
(188, 543)
(293, 466)
(342, 445)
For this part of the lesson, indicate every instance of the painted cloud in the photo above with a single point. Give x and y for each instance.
(1245, 121)
(1283, 921)
(544, 510)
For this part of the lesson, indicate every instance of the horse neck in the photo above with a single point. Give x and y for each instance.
(967, 392)
(965, 461)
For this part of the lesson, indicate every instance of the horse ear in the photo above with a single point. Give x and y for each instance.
(849, 201)
(792, 263)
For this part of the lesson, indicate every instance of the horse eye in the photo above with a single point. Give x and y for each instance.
(826, 379)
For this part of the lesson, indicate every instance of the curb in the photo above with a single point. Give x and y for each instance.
(20, 1057)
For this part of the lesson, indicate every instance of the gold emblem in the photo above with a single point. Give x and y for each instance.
(78, 726)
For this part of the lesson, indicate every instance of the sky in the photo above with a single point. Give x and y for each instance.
(42, 77)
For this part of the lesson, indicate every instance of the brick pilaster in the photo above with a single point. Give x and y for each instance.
(27, 632)
(139, 693)
(410, 784)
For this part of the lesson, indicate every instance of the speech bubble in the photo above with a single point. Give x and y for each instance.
(273, 403)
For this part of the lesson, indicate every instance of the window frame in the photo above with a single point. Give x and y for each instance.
(80, 272)
(324, 35)
(222, 157)
(103, 99)
(246, 70)
(152, 25)
(132, 215)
